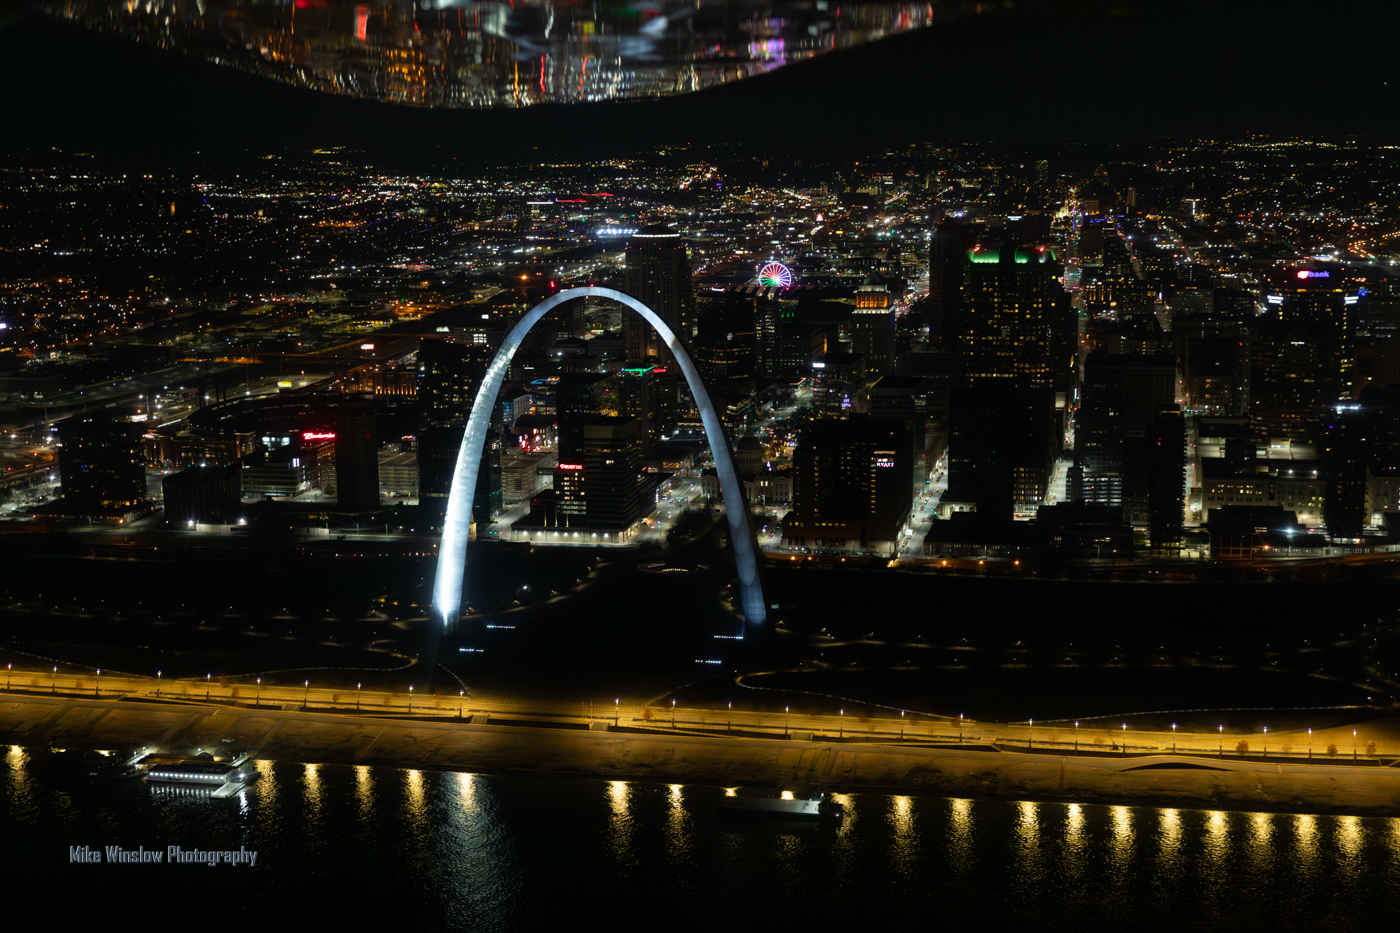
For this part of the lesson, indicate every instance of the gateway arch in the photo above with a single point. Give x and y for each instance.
(452, 553)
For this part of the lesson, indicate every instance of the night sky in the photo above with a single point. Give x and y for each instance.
(1036, 73)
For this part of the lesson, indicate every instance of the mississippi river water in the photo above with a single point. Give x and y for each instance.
(429, 850)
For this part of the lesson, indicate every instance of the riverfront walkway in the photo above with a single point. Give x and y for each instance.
(1372, 739)
(698, 748)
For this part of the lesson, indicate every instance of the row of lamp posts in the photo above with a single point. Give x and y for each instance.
(617, 712)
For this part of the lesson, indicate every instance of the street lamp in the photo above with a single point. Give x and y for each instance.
(841, 726)
(97, 686)
(1222, 741)
(157, 683)
(960, 727)
(7, 674)
(359, 688)
(1030, 728)
(673, 712)
(1173, 738)
(1353, 745)
(1125, 738)
(1309, 742)
(305, 693)
(257, 701)
(461, 700)
(1266, 742)
(206, 685)
(1076, 736)
(410, 699)
(787, 713)
(53, 683)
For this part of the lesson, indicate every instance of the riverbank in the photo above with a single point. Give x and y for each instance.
(1322, 786)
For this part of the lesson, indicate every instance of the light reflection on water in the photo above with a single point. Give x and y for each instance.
(620, 824)
(18, 785)
(1076, 846)
(1260, 846)
(1027, 838)
(959, 836)
(364, 790)
(678, 826)
(478, 852)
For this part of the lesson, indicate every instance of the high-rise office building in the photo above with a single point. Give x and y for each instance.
(947, 266)
(637, 397)
(100, 465)
(203, 495)
(1345, 457)
(448, 376)
(852, 486)
(357, 457)
(658, 275)
(1306, 352)
(872, 327)
(438, 448)
(1166, 481)
(1018, 325)
(600, 481)
(615, 479)
(1002, 445)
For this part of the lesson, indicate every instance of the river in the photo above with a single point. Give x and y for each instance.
(433, 850)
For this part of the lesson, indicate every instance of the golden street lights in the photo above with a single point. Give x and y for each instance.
(617, 711)
(1030, 727)
(305, 693)
(1125, 738)
(97, 684)
(410, 699)
(1266, 742)
(7, 675)
(841, 726)
(673, 712)
(1076, 736)
(359, 688)
(206, 686)
(53, 684)
(787, 714)
(1222, 741)
(157, 683)
(1310, 742)
(1173, 738)
(257, 701)
(461, 701)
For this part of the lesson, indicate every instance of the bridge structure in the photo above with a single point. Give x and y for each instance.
(452, 553)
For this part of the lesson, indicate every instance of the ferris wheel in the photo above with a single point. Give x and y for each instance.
(775, 275)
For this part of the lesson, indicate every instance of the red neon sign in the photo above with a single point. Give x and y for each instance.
(318, 435)
(571, 466)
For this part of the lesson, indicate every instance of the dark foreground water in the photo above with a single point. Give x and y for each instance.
(366, 846)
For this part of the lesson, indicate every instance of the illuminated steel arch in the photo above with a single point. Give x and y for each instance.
(452, 553)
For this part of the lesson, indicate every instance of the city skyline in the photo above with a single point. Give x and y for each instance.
(466, 451)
